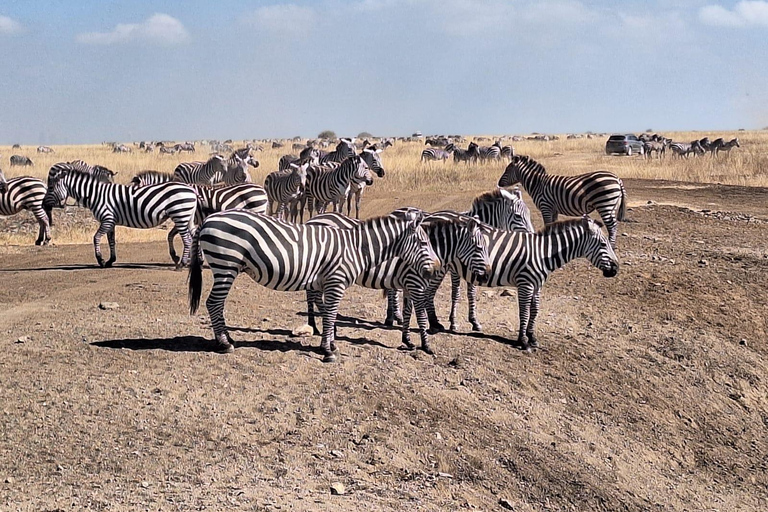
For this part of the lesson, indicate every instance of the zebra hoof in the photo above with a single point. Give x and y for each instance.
(399, 319)
(477, 327)
(428, 350)
(224, 348)
(389, 322)
(329, 358)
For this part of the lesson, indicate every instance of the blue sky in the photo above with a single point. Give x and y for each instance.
(86, 71)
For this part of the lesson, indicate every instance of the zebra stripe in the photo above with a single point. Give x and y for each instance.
(285, 188)
(370, 156)
(453, 236)
(726, 146)
(26, 193)
(217, 170)
(344, 150)
(569, 195)
(119, 205)
(434, 154)
(20, 160)
(293, 257)
(493, 152)
(525, 260)
(329, 183)
(466, 155)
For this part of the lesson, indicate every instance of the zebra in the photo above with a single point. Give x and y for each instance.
(434, 154)
(453, 236)
(26, 193)
(715, 146)
(493, 152)
(370, 156)
(727, 146)
(525, 260)
(683, 149)
(205, 173)
(187, 146)
(285, 162)
(284, 188)
(120, 205)
(344, 149)
(329, 183)
(294, 257)
(16, 146)
(469, 155)
(311, 154)
(569, 195)
(508, 152)
(45, 149)
(120, 148)
(99, 172)
(651, 146)
(20, 160)
(165, 150)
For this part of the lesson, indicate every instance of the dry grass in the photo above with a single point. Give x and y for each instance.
(747, 166)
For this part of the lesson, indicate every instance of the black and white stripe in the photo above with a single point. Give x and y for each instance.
(330, 183)
(20, 160)
(525, 260)
(371, 157)
(295, 257)
(284, 189)
(469, 155)
(454, 237)
(119, 205)
(569, 195)
(45, 149)
(435, 154)
(486, 153)
(26, 193)
(344, 149)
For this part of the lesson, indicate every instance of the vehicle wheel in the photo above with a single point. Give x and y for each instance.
(629, 150)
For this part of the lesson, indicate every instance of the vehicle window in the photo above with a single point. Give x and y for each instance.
(616, 137)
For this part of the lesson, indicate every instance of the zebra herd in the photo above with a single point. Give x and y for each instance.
(659, 144)
(473, 153)
(235, 228)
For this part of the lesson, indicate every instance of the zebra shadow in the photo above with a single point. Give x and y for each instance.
(352, 322)
(288, 334)
(93, 266)
(512, 342)
(176, 344)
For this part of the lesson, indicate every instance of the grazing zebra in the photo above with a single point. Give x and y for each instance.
(683, 149)
(187, 146)
(727, 146)
(493, 152)
(525, 260)
(344, 149)
(434, 154)
(329, 183)
(120, 205)
(569, 195)
(20, 160)
(284, 188)
(466, 155)
(215, 170)
(453, 236)
(26, 193)
(45, 149)
(276, 145)
(165, 150)
(120, 148)
(508, 152)
(295, 257)
(370, 156)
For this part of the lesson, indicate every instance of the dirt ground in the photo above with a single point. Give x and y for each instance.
(650, 391)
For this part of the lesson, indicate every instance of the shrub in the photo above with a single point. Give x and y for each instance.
(326, 134)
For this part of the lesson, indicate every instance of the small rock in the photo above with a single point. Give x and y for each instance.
(304, 330)
(108, 305)
(338, 454)
(505, 503)
(488, 294)
(438, 436)
(23, 339)
(625, 234)
(337, 488)
(9, 480)
(703, 263)
(145, 484)
(266, 319)
(649, 202)
(445, 475)
(743, 342)
(507, 293)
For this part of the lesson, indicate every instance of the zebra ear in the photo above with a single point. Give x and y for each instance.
(585, 221)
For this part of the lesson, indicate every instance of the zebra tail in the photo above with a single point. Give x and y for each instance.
(623, 204)
(195, 274)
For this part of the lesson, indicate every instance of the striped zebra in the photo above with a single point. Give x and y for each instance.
(120, 205)
(507, 152)
(165, 150)
(26, 193)
(486, 153)
(453, 236)
(20, 160)
(286, 161)
(310, 154)
(45, 149)
(284, 189)
(295, 257)
(683, 149)
(344, 149)
(371, 157)
(329, 183)
(435, 154)
(469, 155)
(99, 172)
(727, 146)
(215, 170)
(187, 146)
(569, 195)
(525, 260)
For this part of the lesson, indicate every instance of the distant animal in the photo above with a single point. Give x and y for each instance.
(187, 146)
(45, 149)
(371, 157)
(469, 155)
(727, 146)
(165, 150)
(16, 146)
(493, 152)
(435, 154)
(329, 183)
(26, 193)
(121, 148)
(19, 160)
(284, 187)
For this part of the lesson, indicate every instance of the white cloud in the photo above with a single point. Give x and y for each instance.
(744, 13)
(9, 26)
(286, 19)
(157, 29)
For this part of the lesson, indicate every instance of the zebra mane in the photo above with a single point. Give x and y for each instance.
(452, 219)
(485, 197)
(528, 162)
(565, 225)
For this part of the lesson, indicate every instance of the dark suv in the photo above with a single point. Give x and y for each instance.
(624, 145)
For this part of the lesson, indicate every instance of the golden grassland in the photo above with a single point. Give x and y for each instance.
(746, 166)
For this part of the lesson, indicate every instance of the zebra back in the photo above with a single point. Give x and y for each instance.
(201, 173)
(145, 178)
(502, 209)
(21, 193)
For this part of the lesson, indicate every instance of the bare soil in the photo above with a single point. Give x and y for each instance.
(650, 391)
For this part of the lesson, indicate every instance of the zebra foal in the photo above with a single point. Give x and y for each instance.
(295, 257)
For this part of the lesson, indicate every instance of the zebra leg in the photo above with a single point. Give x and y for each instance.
(611, 224)
(332, 297)
(472, 300)
(535, 302)
(222, 283)
(455, 298)
(112, 245)
(186, 238)
(105, 227)
(171, 250)
(418, 299)
(434, 323)
(358, 196)
(314, 297)
(406, 327)
(393, 309)
(524, 295)
(44, 234)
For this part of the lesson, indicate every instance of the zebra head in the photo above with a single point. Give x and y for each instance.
(414, 246)
(734, 142)
(361, 173)
(371, 157)
(301, 171)
(58, 192)
(476, 255)
(520, 166)
(239, 172)
(516, 216)
(598, 249)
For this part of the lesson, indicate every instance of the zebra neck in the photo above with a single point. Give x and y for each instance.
(86, 192)
(560, 248)
(534, 182)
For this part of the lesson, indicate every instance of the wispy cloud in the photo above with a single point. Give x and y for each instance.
(9, 26)
(286, 19)
(157, 29)
(744, 14)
